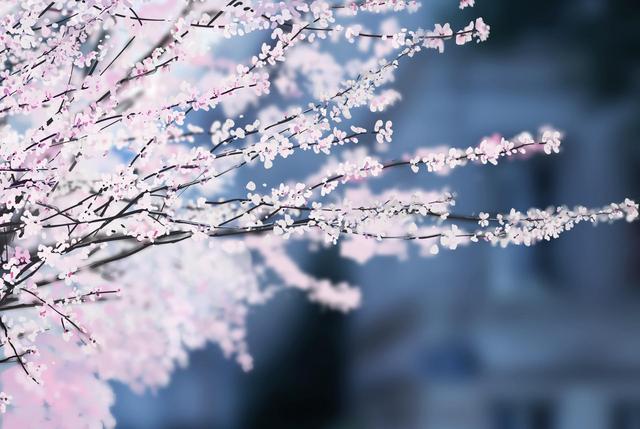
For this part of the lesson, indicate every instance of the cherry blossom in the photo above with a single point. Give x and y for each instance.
(467, 3)
(127, 237)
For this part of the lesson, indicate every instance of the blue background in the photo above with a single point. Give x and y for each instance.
(544, 337)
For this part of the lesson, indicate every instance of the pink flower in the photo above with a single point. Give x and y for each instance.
(466, 3)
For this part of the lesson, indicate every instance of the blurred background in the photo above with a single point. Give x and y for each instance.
(518, 338)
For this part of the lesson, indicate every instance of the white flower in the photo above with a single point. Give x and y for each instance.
(484, 219)
(551, 140)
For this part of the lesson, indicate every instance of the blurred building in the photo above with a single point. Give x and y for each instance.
(522, 338)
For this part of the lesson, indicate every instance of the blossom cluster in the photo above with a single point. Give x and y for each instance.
(104, 160)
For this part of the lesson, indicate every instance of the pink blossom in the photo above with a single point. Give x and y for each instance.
(121, 255)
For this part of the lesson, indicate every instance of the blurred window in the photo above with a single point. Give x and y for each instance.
(525, 414)
(626, 415)
(451, 360)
